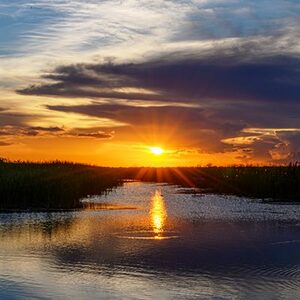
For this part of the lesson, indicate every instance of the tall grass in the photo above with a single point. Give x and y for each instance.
(53, 185)
(276, 182)
(61, 185)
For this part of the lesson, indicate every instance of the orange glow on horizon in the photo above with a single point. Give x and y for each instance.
(113, 153)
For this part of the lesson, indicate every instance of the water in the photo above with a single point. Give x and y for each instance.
(153, 242)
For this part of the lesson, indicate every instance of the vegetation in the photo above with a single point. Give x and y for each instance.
(53, 185)
(61, 185)
(276, 182)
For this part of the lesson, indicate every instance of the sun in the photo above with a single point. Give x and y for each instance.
(157, 150)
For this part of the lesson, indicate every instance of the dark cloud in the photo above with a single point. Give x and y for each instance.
(139, 116)
(14, 119)
(46, 129)
(97, 135)
(290, 146)
(14, 131)
(228, 119)
(269, 145)
(4, 144)
(24, 130)
(238, 76)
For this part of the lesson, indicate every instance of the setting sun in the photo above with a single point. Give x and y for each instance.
(156, 150)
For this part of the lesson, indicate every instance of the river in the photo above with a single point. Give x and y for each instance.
(153, 241)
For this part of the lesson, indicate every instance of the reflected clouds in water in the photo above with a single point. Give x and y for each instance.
(123, 254)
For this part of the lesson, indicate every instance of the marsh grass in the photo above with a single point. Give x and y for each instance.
(60, 185)
(272, 182)
(53, 185)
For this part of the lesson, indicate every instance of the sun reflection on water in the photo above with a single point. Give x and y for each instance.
(158, 214)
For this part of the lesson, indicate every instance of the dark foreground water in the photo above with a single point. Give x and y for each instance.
(153, 242)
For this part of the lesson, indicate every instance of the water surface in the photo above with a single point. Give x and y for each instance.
(153, 242)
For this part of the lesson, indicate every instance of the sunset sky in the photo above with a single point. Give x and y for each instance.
(105, 82)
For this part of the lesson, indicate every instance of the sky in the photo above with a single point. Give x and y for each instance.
(101, 82)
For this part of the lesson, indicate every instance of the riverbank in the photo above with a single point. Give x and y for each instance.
(61, 185)
(279, 183)
(53, 185)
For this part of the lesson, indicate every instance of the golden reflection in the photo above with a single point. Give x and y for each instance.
(158, 214)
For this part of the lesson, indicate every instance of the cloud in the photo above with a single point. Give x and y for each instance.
(14, 119)
(191, 126)
(24, 130)
(97, 135)
(213, 75)
(239, 76)
(63, 26)
(18, 131)
(47, 129)
(2, 143)
(143, 116)
(281, 145)
(233, 94)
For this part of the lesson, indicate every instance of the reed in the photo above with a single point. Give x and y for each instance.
(61, 185)
(52, 185)
(272, 182)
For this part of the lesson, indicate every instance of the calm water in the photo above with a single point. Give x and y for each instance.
(153, 242)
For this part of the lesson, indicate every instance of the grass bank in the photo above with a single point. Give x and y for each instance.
(53, 185)
(277, 183)
(61, 185)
